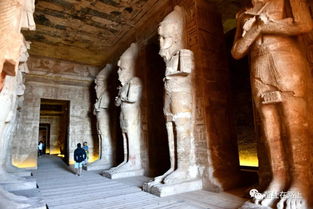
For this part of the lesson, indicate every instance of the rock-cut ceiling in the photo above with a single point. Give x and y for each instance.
(85, 31)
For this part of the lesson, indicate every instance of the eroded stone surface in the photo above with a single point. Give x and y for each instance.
(101, 110)
(281, 86)
(130, 120)
(178, 101)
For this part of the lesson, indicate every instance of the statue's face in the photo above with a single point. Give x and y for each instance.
(166, 41)
(124, 71)
(255, 2)
(99, 88)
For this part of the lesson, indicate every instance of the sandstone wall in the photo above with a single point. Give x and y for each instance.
(58, 80)
(57, 134)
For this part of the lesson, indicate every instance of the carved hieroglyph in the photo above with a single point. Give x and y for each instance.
(101, 110)
(129, 100)
(178, 101)
(280, 81)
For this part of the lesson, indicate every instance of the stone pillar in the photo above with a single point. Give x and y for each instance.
(213, 118)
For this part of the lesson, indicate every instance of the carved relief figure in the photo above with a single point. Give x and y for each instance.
(101, 110)
(280, 81)
(129, 100)
(178, 99)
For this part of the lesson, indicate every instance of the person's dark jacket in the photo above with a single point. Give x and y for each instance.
(79, 155)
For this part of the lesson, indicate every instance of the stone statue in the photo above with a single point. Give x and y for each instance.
(101, 110)
(13, 124)
(280, 81)
(27, 20)
(178, 100)
(128, 99)
(11, 41)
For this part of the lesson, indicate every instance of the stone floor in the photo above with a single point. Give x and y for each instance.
(61, 189)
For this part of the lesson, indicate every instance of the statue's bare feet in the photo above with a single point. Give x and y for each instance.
(125, 167)
(158, 179)
(295, 198)
(177, 176)
(271, 194)
(112, 170)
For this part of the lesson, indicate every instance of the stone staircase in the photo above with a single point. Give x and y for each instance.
(61, 189)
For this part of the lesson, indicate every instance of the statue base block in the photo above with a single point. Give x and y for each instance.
(123, 174)
(250, 205)
(19, 171)
(98, 165)
(34, 196)
(163, 190)
(25, 184)
(22, 173)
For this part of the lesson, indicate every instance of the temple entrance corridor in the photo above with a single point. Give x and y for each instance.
(61, 189)
(53, 127)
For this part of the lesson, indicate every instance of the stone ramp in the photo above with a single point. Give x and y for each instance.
(61, 189)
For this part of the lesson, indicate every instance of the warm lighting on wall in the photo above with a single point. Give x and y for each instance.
(55, 151)
(61, 155)
(25, 164)
(93, 158)
(248, 159)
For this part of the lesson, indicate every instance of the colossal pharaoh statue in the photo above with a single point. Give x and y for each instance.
(129, 100)
(11, 40)
(16, 108)
(178, 101)
(280, 81)
(101, 110)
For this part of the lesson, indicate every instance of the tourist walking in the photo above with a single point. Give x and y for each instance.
(40, 148)
(79, 157)
(86, 148)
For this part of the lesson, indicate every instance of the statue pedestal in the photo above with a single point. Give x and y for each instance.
(24, 184)
(35, 199)
(22, 173)
(98, 165)
(122, 174)
(163, 190)
(19, 172)
(250, 205)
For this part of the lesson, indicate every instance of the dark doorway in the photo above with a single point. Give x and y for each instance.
(44, 136)
(159, 159)
(242, 107)
(54, 125)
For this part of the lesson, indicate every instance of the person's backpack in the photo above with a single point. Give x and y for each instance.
(80, 156)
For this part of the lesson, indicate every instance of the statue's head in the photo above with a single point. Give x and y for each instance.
(101, 79)
(171, 32)
(127, 64)
(255, 2)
